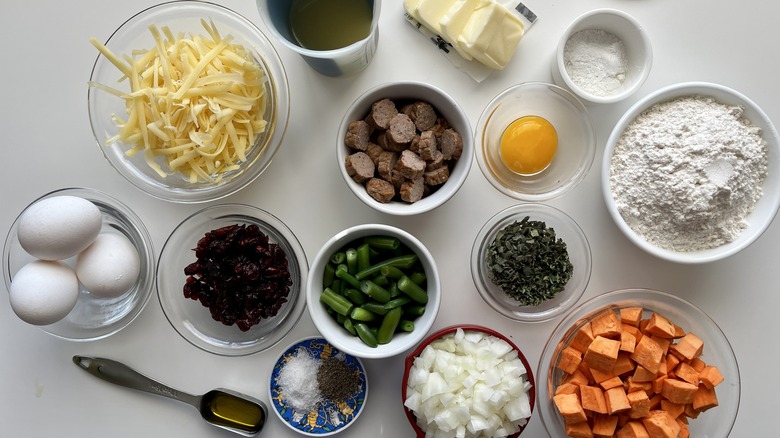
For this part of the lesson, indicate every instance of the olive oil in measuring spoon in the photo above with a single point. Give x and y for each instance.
(329, 24)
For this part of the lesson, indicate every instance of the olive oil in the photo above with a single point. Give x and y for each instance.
(227, 410)
(329, 24)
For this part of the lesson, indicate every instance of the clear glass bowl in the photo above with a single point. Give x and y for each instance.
(94, 317)
(184, 17)
(576, 140)
(579, 255)
(715, 423)
(332, 417)
(409, 362)
(193, 321)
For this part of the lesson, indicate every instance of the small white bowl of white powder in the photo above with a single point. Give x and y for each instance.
(691, 172)
(604, 56)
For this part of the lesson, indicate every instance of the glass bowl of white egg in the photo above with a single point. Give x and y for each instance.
(79, 264)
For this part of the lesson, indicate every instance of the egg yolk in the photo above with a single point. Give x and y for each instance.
(528, 145)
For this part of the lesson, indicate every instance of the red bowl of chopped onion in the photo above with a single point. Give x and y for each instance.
(470, 381)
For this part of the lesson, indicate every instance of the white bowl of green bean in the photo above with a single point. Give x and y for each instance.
(373, 291)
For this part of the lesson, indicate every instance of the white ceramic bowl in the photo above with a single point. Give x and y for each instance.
(334, 332)
(185, 17)
(410, 91)
(766, 207)
(635, 40)
(576, 140)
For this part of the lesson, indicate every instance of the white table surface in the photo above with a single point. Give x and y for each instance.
(47, 144)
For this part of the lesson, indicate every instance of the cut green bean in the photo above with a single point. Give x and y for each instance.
(340, 318)
(404, 262)
(381, 280)
(414, 291)
(393, 289)
(358, 298)
(417, 277)
(343, 273)
(388, 326)
(339, 304)
(383, 242)
(365, 334)
(361, 314)
(405, 326)
(349, 326)
(328, 274)
(375, 291)
(363, 257)
(414, 310)
(397, 302)
(374, 307)
(352, 262)
(392, 272)
(338, 258)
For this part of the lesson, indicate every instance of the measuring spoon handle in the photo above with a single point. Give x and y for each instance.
(122, 375)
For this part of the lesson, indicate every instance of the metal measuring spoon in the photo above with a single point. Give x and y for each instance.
(221, 407)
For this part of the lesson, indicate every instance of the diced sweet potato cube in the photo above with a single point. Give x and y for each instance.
(678, 391)
(697, 364)
(578, 430)
(704, 398)
(586, 371)
(570, 408)
(617, 401)
(602, 353)
(582, 338)
(690, 412)
(655, 401)
(660, 424)
(660, 326)
(638, 386)
(633, 429)
(570, 360)
(576, 378)
(687, 373)
(604, 426)
(648, 354)
(688, 347)
(600, 376)
(592, 398)
(640, 404)
(658, 384)
(631, 315)
(673, 409)
(607, 324)
(627, 342)
(663, 343)
(663, 369)
(710, 376)
(567, 388)
(613, 382)
(678, 332)
(684, 432)
(642, 374)
(623, 364)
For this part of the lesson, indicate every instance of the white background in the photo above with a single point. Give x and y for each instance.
(46, 144)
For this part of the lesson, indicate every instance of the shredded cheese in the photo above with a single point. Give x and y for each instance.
(195, 101)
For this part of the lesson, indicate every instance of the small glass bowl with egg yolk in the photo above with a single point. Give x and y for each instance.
(535, 141)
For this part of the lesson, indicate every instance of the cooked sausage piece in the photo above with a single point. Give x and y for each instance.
(410, 165)
(384, 141)
(412, 190)
(382, 111)
(451, 144)
(374, 150)
(436, 162)
(422, 114)
(401, 130)
(380, 190)
(386, 164)
(424, 145)
(357, 136)
(437, 176)
(360, 166)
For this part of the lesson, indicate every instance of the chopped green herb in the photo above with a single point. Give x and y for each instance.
(528, 262)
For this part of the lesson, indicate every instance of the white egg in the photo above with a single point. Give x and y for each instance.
(109, 267)
(59, 227)
(43, 292)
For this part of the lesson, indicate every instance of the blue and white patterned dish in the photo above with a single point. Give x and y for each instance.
(327, 418)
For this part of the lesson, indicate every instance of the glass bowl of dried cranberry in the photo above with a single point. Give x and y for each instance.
(230, 279)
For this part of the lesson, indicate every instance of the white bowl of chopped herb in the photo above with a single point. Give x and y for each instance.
(531, 262)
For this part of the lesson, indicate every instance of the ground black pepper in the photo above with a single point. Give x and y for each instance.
(337, 381)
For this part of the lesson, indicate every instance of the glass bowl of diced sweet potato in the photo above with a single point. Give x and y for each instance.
(637, 363)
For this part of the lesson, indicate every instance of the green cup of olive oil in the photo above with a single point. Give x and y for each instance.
(335, 37)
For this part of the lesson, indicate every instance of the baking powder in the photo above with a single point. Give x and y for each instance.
(596, 61)
(686, 173)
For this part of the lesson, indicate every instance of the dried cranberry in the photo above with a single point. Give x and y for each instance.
(238, 275)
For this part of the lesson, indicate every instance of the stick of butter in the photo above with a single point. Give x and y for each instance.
(491, 35)
(453, 22)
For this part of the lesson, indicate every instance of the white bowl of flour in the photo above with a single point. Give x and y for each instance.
(691, 172)
(604, 56)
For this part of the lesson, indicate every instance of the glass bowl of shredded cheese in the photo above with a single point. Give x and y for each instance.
(188, 101)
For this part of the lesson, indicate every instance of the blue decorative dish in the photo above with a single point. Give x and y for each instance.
(327, 417)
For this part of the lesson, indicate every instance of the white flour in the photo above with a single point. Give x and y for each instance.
(686, 173)
(596, 61)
